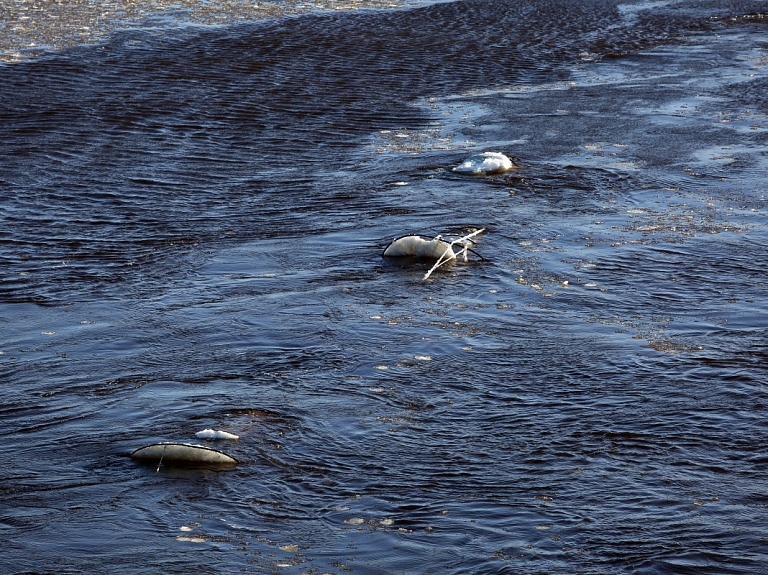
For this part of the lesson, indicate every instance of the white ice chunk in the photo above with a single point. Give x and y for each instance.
(215, 434)
(485, 164)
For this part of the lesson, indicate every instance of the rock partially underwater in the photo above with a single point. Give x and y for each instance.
(415, 248)
(485, 164)
(419, 247)
(186, 454)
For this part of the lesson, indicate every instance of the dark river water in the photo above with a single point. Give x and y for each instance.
(191, 226)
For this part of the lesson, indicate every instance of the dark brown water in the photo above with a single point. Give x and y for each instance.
(192, 222)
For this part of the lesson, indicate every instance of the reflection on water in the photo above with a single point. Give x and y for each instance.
(192, 228)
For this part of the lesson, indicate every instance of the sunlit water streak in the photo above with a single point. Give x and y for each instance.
(191, 234)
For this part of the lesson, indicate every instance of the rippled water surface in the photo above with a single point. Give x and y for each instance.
(192, 222)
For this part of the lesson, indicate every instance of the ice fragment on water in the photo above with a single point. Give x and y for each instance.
(215, 434)
(485, 164)
(354, 521)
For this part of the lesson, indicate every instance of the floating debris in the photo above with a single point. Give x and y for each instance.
(464, 242)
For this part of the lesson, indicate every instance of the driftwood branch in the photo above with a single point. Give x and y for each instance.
(445, 257)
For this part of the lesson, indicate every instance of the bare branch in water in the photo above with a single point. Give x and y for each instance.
(449, 250)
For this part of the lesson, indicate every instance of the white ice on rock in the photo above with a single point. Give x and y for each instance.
(485, 164)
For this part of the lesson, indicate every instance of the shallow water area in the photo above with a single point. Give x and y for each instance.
(191, 234)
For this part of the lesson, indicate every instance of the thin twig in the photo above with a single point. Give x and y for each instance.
(159, 463)
(463, 251)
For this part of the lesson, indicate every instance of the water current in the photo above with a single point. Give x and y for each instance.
(191, 226)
